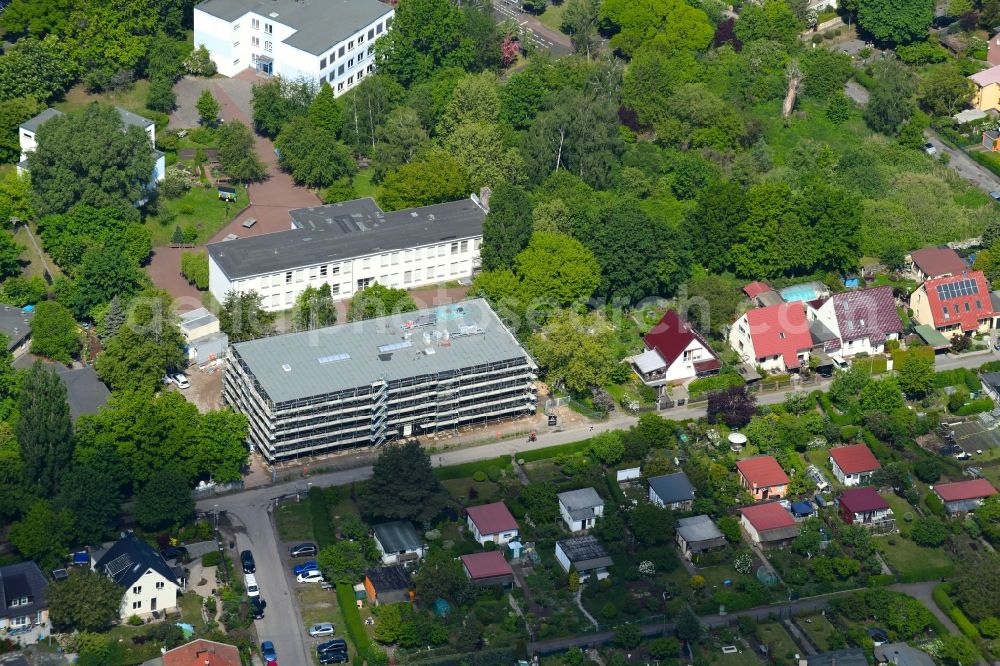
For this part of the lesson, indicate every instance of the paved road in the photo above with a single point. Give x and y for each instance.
(543, 37)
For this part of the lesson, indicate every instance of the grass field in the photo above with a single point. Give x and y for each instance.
(201, 208)
(552, 16)
(133, 99)
(364, 186)
(294, 522)
(32, 257)
(907, 556)
(781, 646)
(744, 657)
(818, 629)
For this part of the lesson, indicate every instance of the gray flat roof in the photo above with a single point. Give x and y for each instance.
(349, 356)
(15, 324)
(397, 536)
(698, 528)
(583, 498)
(336, 232)
(318, 24)
(672, 488)
(32, 124)
(196, 319)
(134, 119)
(582, 548)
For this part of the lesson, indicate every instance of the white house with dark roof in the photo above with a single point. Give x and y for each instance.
(698, 534)
(295, 39)
(28, 138)
(673, 491)
(398, 542)
(349, 246)
(580, 508)
(585, 555)
(149, 584)
(24, 613)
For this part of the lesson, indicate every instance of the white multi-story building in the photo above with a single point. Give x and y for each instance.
(295, 39)
(372, 381)
(28, 132)
(350, 246)
(149, 584)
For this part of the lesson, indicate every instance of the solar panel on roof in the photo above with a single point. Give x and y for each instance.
(333, 357)
(957, 289)
(119, 564)
(383, 349)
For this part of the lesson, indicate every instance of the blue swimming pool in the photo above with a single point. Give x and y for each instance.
(801, 292)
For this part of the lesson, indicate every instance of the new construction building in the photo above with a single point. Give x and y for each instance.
(369, 382)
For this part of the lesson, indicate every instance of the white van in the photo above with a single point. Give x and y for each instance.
(251, 584)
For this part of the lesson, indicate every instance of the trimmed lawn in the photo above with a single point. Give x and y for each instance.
(364, 186)
(191, 604)
(900, 507)
(780, 645)
(552, 16)
(32, 257)
(818, 629)
(133, 99)
(200, 208)
(486, 491)
(745, 657)
(907, 556)
(294, 522)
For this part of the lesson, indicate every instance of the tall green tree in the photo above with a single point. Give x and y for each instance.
(44, 429)
(219, 444)
(93, 494)
(325, 112)
(895, 21)
(36, 69)
(54, 333)
(891, 103)
(945, 90)
(87, 601)
(243, 318)
(208, 108)
(90, 157)
(15, 197)
(400, 139)
(274, 103)
(426, 35)
(314, 308)
(164, 501)
(238, 153)
(403, 485)
(670, 25)
(379, 301)
(574, 350)
(507, 227)
(915, 375)
(104, 272)
(558, 268)
(773, 21)
(579, 21)
(366, 107)
(434, 177)
(44, 534)
(311, 155)
(719, 209)
(13, 112)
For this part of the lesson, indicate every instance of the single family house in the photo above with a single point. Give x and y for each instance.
(585, 555)
(398, 542)
(768, 525)
(673, 491)
(763, 477)
(675, 352)
(580, 509)
(986, 96)
(853, 465)
(387, 585)
(861, 321)
(202, 652)
(954, 305)
(24, 612)
(698, 534)
(149, 584)
(489, 568)
(776, 337)
(864, 506)
(492, 522)
(933, 262)
(964, 496)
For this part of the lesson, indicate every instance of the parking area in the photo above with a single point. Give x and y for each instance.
(205, 391)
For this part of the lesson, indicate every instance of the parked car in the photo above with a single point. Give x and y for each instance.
(333, 657)
(995, 196)
(258, 605)
(174, 553)
(246, 558)
(311, 576)
(251, 584)
(335, 645)
(267, 651)
(181, 381)
(311, 565)
(303, 550)
(930, 149)
(322, 629)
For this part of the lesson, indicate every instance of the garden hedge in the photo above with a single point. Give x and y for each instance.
(322, 522)
(466, 470)
(944, 602)
(975, 407)
(352, 618)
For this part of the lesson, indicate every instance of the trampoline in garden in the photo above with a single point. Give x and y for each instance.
(766, 576)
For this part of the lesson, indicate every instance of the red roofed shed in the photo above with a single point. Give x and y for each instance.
(492, 522)
(965, 490)
(768, 524)
(490, 568)
(755, 289)
(763, 477)
(854, 459)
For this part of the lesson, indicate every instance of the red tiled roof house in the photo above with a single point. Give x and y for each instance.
(776, 337)
(864, 506)
(954, 305)
(862, 320)
(488, 568)
(853, 465)
(763, 477)
(492, 522)
(202, 652)
(934, 262)
(674, 352)
(768, 525)
(964, 496)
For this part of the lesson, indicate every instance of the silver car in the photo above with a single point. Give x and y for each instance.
(322, 629)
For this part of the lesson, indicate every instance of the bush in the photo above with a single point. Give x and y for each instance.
(493, 473)
(975, 407)
(211, 559)
(355, 629)
(716, 383)
(817, 39)
(194, 267)
(479, 476)
(934, 504)
(135, 621)
(322, 522)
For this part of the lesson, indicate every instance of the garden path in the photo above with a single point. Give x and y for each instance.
(579, 604)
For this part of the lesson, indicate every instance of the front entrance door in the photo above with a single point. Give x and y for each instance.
(152, 604)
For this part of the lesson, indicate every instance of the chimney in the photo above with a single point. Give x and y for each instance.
(484, 197)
